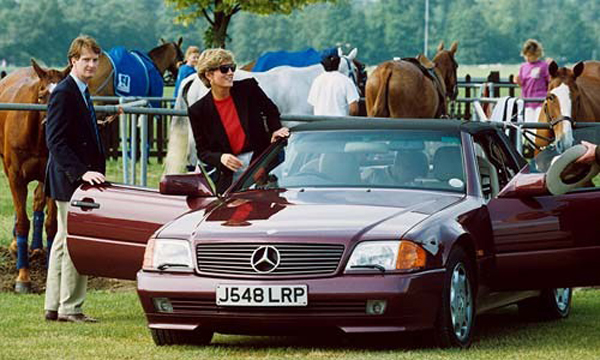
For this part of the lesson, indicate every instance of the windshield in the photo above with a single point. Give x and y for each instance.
(430, 160)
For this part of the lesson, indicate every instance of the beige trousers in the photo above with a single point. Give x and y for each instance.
(65, 288)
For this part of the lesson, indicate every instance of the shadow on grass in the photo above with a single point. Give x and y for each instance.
(408, 341)
(504, 328)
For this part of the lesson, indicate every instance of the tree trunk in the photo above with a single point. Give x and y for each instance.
(215, 35)
(220, 29)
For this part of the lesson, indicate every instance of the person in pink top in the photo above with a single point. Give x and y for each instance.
(533, 78)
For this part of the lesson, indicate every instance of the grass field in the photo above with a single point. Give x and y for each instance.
(482, 71)
(122, 334)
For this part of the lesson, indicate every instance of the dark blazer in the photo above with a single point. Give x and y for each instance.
(259, 118)
(71, 141)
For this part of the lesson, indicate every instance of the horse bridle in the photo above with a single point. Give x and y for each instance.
(439, 85)
(551, 122)
(450, 93)
(452, 96)
(559, 119)
(351, 75)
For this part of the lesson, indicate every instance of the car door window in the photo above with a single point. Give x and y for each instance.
(488, 174)
(496, 163)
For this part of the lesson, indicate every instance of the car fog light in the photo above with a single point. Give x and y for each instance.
(163, 305)
(376, 307)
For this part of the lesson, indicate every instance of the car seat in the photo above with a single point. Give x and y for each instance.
(341, 168)
(447, 164)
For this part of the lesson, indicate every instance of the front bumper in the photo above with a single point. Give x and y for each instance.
(334, 304)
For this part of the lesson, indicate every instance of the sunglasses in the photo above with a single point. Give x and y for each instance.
(224, 69)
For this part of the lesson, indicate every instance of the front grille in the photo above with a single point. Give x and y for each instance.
(323, 308)
(295, 259)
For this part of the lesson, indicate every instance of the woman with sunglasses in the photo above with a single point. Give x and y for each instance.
(234, 120)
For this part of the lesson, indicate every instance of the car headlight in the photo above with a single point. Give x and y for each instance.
(167, 254)
(387, 255)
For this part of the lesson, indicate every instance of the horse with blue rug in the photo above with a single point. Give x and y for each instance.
(125, 73)
(302, 58)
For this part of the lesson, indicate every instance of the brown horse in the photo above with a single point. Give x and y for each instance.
(24, 155)
(248, 66)
(406, 89)
(573, 96)
(165, 56)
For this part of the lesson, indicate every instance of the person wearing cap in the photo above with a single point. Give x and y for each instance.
(333, 93)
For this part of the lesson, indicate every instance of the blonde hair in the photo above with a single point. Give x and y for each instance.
(191, 50)
(210, 59)
(532, 47)
(80, 42)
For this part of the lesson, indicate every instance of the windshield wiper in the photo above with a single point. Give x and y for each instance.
(169, 265)
(369, 266)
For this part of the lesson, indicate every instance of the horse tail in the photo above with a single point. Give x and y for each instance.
(184, 92)
(380, 107)
(177, 150)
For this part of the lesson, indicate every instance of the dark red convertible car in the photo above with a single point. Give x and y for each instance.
(365, 226)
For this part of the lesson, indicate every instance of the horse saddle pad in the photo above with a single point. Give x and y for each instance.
(273, 59)
(507, 109)
(135, 73)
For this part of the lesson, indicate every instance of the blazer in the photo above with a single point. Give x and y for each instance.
(71, 140)
(258, 116)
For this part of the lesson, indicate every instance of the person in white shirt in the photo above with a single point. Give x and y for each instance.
(333, 93)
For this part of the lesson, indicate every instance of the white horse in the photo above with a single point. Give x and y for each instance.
(286, 86)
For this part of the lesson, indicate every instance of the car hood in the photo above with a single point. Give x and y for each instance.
(310, 215)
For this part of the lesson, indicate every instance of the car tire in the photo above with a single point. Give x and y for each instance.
(551, 304)
(456, 317)
(180, 337)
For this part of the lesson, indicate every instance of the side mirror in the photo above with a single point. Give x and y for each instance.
(194, 184)
(525, 185)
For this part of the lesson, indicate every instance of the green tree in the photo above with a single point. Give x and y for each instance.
(218, 13)
(343, 26)
(40, 37)
(568, 38)
(466, 28)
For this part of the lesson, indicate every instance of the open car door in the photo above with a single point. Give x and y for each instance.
(109, 225)
(543, 240)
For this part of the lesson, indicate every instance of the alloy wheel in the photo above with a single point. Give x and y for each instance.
(562, 297)
(461, 302)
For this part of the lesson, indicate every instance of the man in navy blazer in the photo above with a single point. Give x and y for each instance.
(76, 156)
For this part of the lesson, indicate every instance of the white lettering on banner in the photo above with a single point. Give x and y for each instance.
(123, 83)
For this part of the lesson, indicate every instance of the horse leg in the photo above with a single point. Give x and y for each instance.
(13, 244)
(51, 227)
(18, 189)
(39, 202)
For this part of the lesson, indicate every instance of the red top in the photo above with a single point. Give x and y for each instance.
(231, 122)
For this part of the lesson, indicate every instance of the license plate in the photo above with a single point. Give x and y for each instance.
(262, 295)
